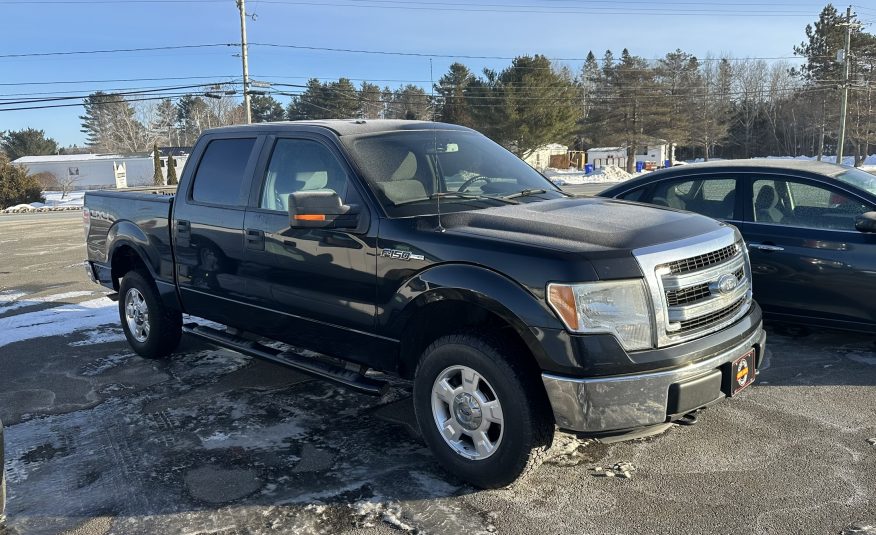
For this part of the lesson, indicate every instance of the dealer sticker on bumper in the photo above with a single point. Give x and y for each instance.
(742, 372)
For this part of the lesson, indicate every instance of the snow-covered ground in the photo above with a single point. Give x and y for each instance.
(72, 201)
(611, 173)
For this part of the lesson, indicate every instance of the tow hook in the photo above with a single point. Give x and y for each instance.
(688, 419)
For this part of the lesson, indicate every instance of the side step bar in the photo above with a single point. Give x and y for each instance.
(316, 368)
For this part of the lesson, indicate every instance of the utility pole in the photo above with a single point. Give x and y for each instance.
(241, 6)
(844, 103)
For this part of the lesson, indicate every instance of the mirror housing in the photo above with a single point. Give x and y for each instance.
(321, 209)
(866, 222)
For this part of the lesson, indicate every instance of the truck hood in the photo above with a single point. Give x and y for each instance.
(581, 225)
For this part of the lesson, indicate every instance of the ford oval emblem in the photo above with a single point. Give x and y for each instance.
(727, 283)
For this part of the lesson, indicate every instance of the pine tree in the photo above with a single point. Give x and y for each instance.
(171, 170)
(452, 104)
(266, 109)
(157, 176)
(26, 142)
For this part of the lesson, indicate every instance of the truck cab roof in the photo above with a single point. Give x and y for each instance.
(340, 127)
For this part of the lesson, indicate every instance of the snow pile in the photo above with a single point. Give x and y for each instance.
(562, 177)
(74, 200)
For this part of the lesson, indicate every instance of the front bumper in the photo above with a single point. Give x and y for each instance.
(625, 402)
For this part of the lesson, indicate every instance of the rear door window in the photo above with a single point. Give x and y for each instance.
(713, 197)
(221, 174)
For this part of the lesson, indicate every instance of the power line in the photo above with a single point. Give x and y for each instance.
(4, 102)
(114, 50)
(57, 82)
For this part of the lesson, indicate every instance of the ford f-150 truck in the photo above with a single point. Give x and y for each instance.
(427, 251)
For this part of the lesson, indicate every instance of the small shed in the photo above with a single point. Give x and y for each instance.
(541, 157)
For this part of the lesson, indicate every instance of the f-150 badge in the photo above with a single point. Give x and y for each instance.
(400, 255)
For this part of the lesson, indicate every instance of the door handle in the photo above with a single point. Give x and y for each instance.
(255, 239)
(183, 226)
(765, 247)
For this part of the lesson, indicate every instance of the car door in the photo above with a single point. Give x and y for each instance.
(208, 227)
(808, 261)
(314, 287)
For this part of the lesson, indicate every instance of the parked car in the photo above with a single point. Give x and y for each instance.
(2, 479)
(810, 228)
(426, 250)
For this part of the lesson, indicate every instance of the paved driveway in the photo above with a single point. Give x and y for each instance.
(208, 441)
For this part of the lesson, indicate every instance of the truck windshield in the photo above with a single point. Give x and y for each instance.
(410, 171)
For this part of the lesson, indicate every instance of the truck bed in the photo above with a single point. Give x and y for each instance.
(141, 215)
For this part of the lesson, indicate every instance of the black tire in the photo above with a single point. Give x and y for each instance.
(527, 429)
(164, 324)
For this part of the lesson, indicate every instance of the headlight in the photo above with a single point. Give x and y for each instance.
(616, 307)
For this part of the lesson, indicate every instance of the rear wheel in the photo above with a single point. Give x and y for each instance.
(482, 412)
(152, 329)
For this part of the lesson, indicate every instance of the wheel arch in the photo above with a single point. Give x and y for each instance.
(460, 297)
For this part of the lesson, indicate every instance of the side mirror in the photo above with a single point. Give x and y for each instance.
(321, 209)
(866, 222)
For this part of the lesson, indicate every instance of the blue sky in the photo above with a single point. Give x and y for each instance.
(556, 28)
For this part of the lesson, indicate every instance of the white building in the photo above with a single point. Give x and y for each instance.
(91, 171)
(540, 158)
(654, 150)
(605, 156)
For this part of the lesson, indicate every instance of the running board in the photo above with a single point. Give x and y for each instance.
(323, 370)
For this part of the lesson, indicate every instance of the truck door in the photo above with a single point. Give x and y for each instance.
(314, 287)
(208, 227)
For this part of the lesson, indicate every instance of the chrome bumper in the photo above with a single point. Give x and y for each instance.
(629, 401)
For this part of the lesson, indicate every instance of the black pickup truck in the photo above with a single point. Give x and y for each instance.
(427, 251)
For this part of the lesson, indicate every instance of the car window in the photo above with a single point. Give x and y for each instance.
(800, 204)
(301, 165)
(221, 172)
(713, 197)
(635, 195)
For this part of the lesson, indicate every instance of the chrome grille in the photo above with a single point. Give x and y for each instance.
(698, 285)
(692, 294)
(701, 261)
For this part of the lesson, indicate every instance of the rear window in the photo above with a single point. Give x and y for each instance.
(220, 174)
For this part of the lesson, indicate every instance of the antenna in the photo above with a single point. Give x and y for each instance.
(435, 144)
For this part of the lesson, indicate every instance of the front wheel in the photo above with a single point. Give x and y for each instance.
(481, 410)
(152, 330)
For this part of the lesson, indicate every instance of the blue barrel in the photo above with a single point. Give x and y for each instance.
(640, 166)
(588, 168)
(667, 163)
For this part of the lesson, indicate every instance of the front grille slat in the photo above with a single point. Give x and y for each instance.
(709, 319)
(694, 263)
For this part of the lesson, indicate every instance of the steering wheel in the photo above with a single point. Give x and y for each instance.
(471, 181)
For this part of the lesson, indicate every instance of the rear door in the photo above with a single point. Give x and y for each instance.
(808, 261)
(208, 227)
(712, 195)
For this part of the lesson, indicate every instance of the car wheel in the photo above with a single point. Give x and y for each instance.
(481, 410)
(152, 329)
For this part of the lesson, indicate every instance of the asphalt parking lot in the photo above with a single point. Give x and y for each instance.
(99, 440)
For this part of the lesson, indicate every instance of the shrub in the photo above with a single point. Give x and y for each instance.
(16, 186)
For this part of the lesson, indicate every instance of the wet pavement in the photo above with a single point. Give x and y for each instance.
(99, 440)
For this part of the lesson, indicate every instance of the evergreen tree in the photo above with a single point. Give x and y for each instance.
(266, 109)
(194, 116)
(16, 186)
(164, 125)
(171, 171)
(452, 104)
(27, 142)
(371, 104)
(157, 176)
(527, 105)
(111, 125)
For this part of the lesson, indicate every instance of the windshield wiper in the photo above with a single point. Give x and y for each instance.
(458, 195)
(523, 193)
